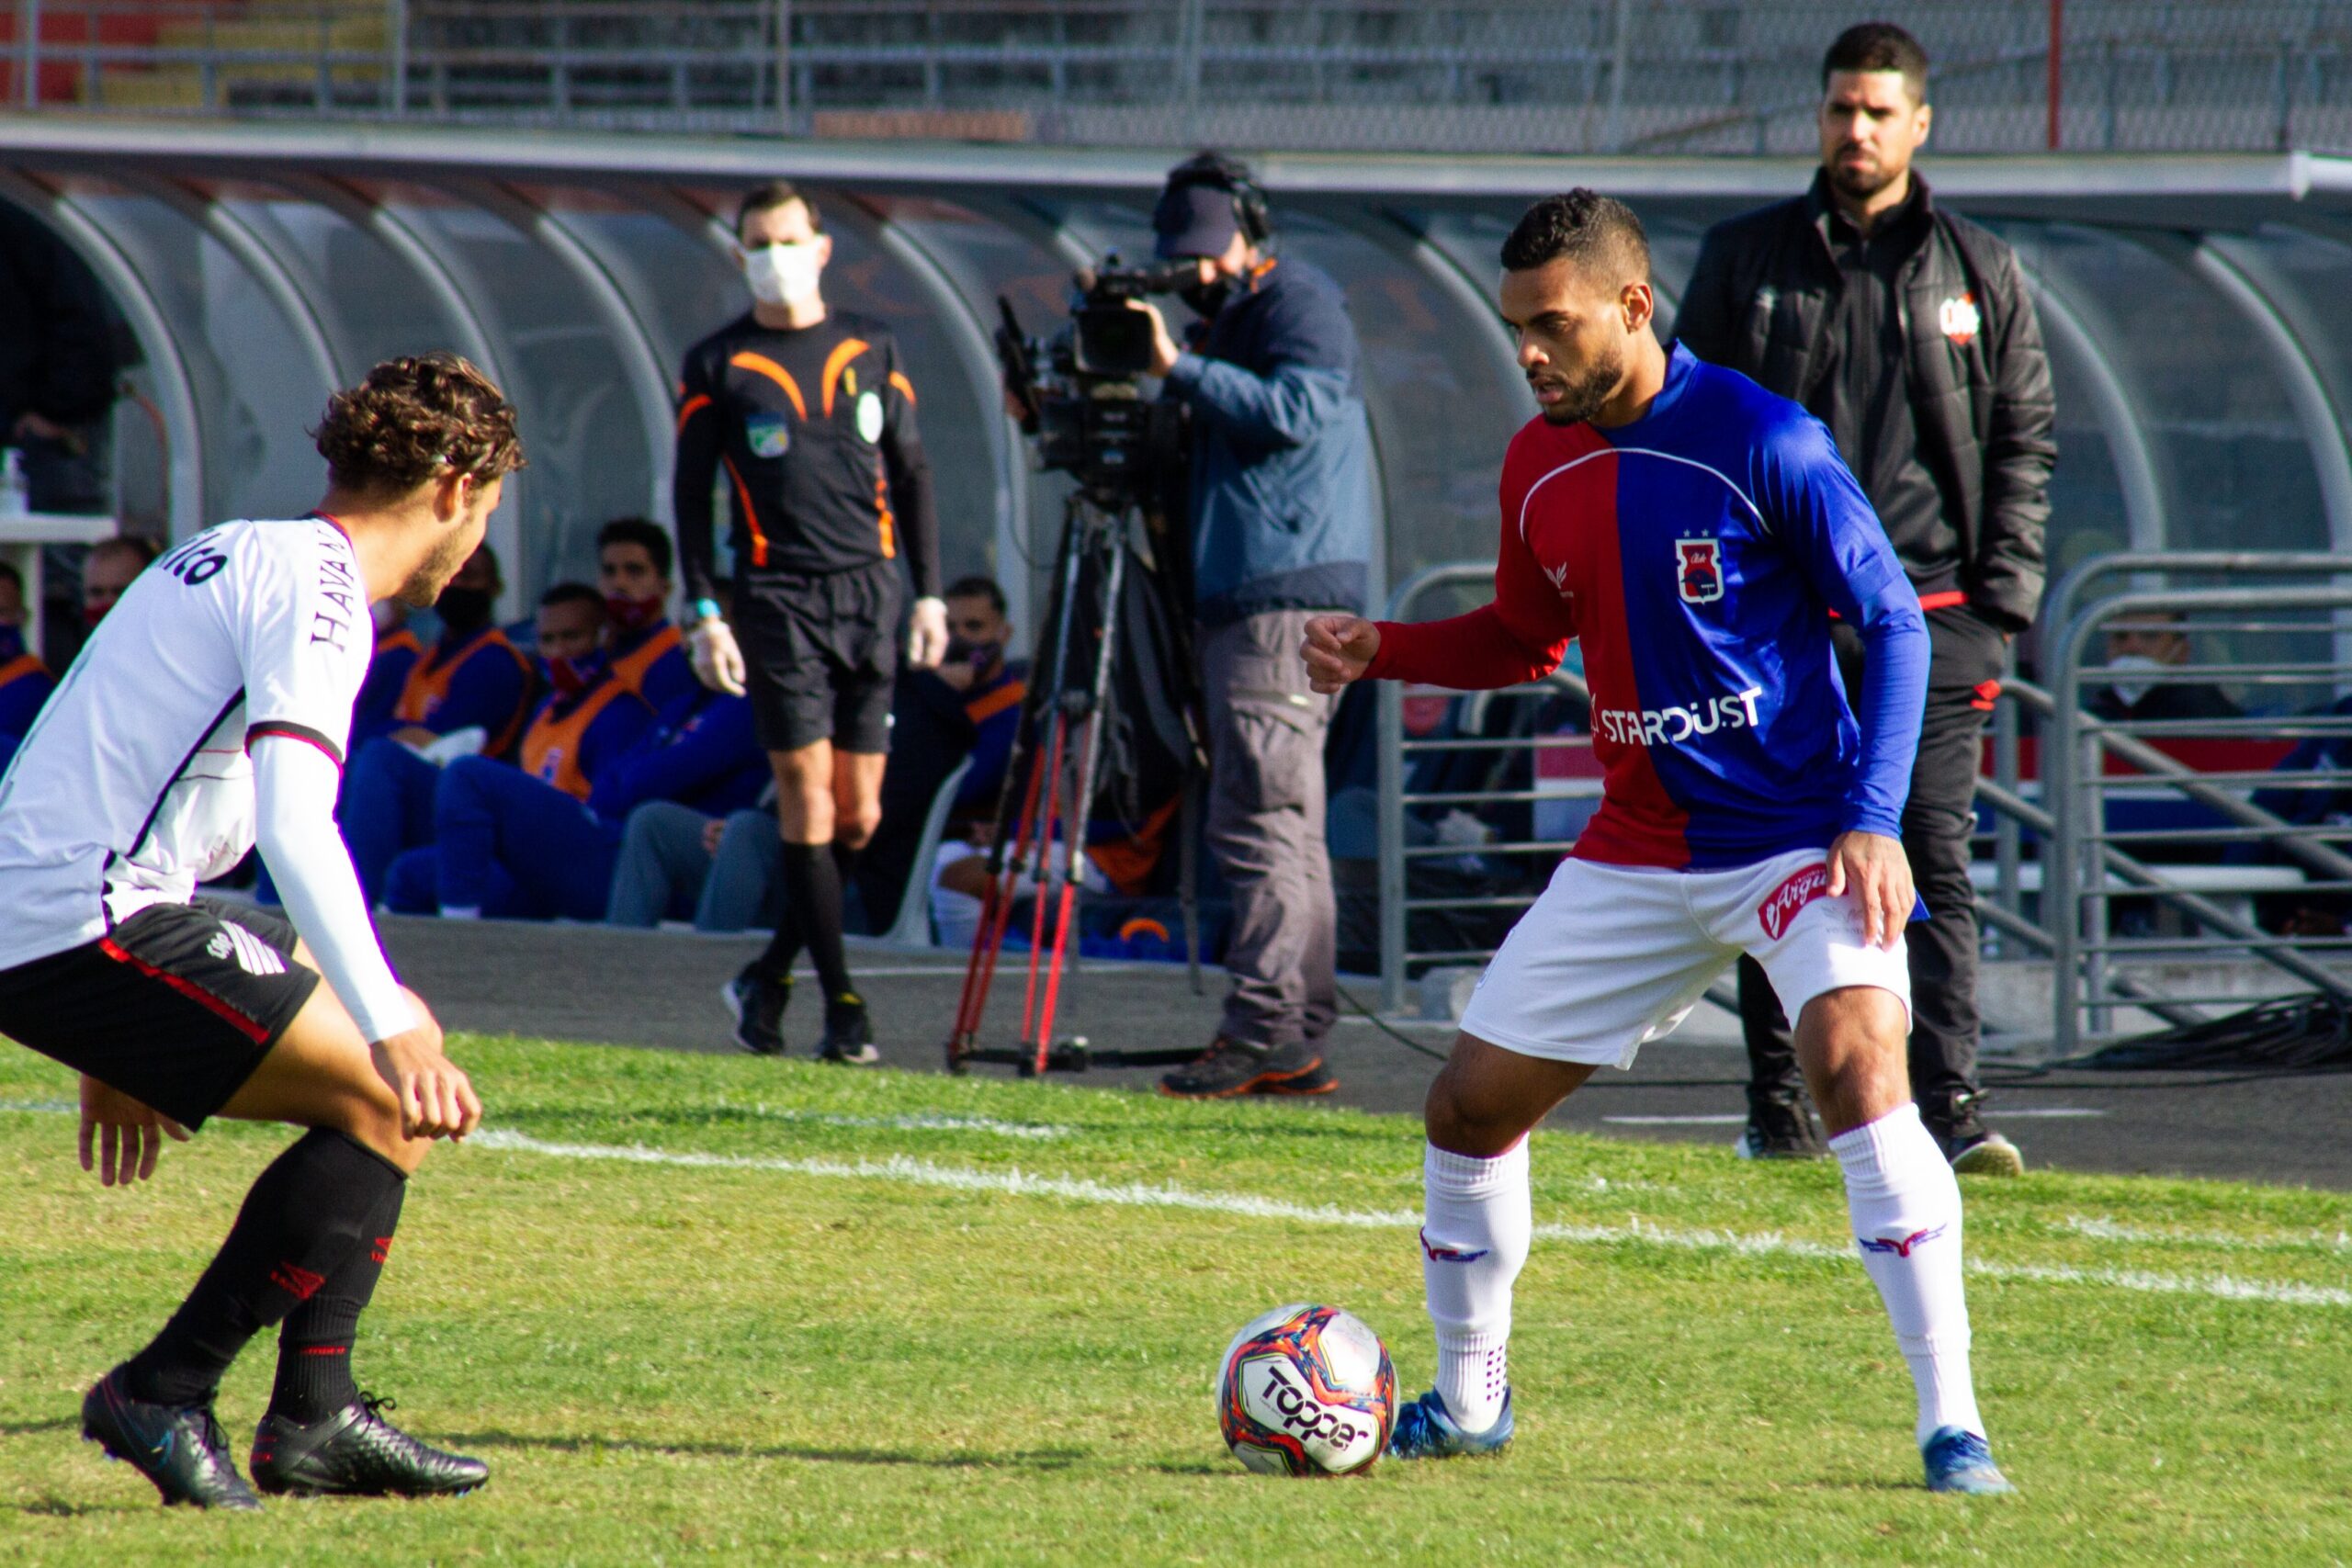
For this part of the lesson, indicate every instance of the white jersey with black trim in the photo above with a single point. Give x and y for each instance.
(134, 784)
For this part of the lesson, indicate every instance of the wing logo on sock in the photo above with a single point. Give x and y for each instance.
(296, 1281)
(1903, 1246)
(1439, 1253)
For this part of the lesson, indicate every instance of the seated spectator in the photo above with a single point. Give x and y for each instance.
(107, 570)
(473, 677)
(725, 873)
(970, 706)
(649, 653)
(397, 654)
(2138, 654)
(25, 681)
(508, 842)
(387, 806)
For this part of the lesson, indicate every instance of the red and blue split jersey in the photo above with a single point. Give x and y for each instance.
(1699, 553)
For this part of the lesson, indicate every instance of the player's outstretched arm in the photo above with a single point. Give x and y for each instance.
(1875, 867)
(129, 1135)
(1338, 650)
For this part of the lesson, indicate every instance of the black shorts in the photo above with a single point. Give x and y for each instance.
(176, 1007)
(821, 653)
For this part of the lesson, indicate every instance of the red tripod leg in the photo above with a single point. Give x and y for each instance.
(1044, 845)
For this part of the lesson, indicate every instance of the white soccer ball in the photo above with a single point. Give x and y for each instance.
(1306, 1390)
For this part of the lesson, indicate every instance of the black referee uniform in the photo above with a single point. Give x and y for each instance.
(813, 429)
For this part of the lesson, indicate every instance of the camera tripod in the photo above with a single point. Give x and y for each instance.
(1042, 812)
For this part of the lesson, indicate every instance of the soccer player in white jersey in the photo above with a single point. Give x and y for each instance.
(1696, 534)
(209, 713)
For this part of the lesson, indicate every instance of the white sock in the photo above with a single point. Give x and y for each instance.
(1478, 1219)
(1906, 1208)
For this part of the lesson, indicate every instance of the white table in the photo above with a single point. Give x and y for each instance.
(21, 539)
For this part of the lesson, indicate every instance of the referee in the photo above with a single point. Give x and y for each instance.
(813, 419)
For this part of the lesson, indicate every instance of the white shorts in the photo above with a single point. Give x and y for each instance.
(1612, 957)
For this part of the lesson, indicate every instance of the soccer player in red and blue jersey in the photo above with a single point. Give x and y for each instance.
(1698, 533)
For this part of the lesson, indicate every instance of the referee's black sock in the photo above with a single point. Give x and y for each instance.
(304, 1218)
(812, 889)
(314, 1378)
(784, 947)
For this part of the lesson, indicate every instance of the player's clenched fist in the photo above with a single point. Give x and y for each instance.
(1338, 650)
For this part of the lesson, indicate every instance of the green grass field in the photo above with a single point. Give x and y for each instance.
(690, 1307)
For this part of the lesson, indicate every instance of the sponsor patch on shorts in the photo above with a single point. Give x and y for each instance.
(1779, 911)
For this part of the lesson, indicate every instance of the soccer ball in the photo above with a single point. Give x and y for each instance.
(1306, 1390)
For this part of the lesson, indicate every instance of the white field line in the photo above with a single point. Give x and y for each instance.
(902, 1170)
(920, 1121)
(2109, 1230)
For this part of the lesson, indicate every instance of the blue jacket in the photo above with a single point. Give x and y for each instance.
(700, 753)
(1281, 451)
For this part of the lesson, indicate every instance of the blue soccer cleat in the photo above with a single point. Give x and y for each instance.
(1960, 1460)
(1426, 1430)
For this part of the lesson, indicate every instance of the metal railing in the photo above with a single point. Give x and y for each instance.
(2155, 854)
(2194, 818)
(1491, 75)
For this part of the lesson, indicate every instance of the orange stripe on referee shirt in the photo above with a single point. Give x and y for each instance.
(750, 513)
(695, 405)
(906, 388)
(835, 362)
(768, 367)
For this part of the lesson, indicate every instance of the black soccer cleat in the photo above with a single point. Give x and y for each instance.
(1779, 1128)
(356, 1453)
(758, 1002)
(181, 1449)
(849, 1032)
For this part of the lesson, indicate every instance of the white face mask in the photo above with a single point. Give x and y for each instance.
(2130, 691)
(784, 274)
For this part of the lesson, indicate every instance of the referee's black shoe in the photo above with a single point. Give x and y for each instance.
(849, 1032)
(181, 1449)
(1780, 1127)
(758, 999)
(356, 1453)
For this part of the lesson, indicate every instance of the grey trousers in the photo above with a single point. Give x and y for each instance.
(664, 873)
(1265, 828)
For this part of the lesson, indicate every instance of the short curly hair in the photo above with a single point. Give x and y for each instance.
(1595, 231)
(414, 417)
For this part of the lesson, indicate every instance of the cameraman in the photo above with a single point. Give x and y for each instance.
(1280, 504)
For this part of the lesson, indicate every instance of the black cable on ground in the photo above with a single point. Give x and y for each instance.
(2294, 1034)
(1382, 1025)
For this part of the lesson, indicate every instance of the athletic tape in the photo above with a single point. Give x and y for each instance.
(908, 1171)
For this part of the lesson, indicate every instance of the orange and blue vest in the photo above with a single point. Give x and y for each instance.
(25, 685)
(426, 695)
(657, 668)
(395, 658)
(571, 736)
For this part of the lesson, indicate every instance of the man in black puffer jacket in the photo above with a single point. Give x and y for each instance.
(1908, 332)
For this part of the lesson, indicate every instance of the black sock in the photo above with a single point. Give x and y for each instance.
(314, 1377)
(812, 892)
(301, 1224)
(784, 947)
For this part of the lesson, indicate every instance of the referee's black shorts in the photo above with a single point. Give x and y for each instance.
(176, 1007)
(822, 654)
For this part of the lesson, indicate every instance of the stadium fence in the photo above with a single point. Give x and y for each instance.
(1596, 76)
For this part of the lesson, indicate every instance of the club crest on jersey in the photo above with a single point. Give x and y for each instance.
(1698, 569)
(1776, 913)
(1959, 320)
(767, 436)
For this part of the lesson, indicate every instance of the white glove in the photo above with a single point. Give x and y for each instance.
(927, 639)
(718, 662)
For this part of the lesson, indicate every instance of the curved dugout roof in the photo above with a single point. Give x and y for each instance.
(2199, 310)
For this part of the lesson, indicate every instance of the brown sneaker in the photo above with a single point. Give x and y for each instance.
(1228, 1068)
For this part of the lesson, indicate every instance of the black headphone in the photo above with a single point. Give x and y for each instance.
(1232, 176)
